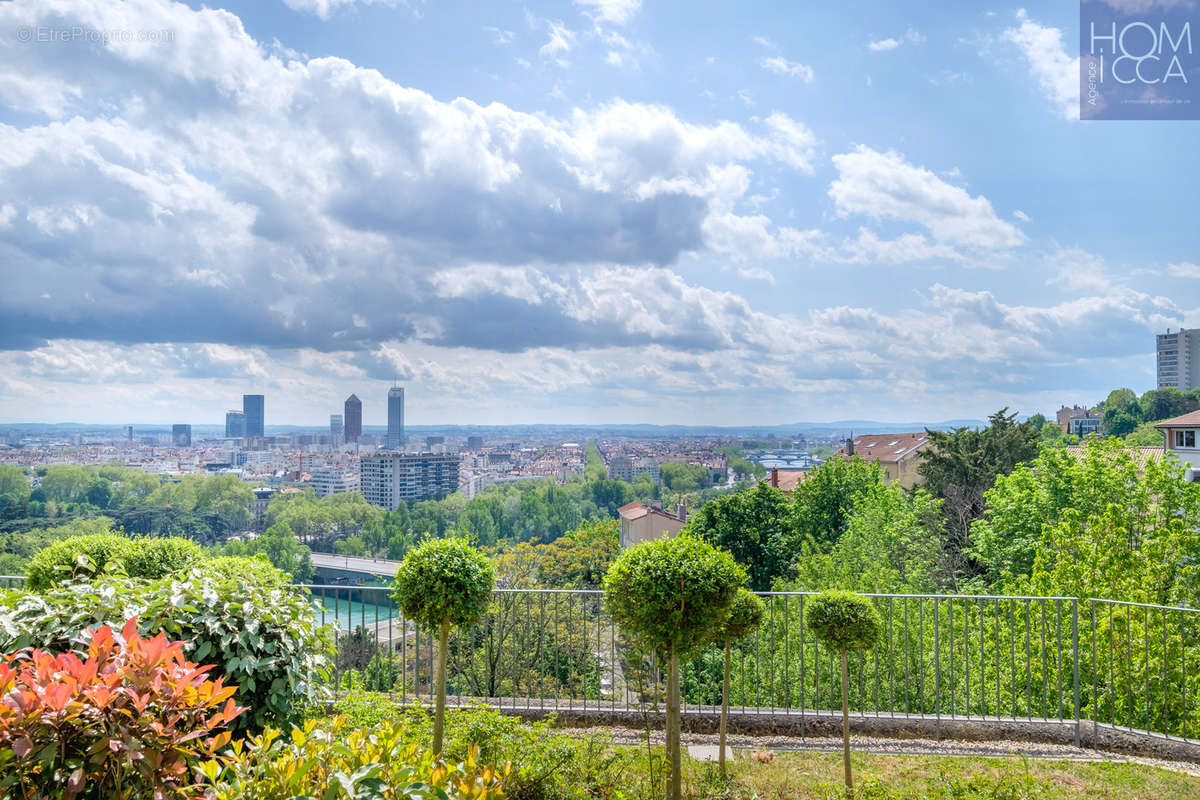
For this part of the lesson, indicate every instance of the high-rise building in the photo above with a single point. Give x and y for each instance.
(387, 479)
(353, 418)
(335, 427)
(474, 442)
(1179, 359)
(129, 432)
(235, 425)
(395, 434)
(181, 435)
(334, 480)
(253, 406)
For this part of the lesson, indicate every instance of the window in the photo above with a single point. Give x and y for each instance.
(1185, 439)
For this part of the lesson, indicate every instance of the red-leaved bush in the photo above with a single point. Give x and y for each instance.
(128, 721)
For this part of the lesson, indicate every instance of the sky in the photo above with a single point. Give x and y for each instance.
(600, 211)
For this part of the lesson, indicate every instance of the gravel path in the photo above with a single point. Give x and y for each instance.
(867, 744)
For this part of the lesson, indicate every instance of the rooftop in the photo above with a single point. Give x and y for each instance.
(1188, 420)
(887, 446)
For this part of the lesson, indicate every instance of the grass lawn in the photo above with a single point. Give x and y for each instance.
(819, 775)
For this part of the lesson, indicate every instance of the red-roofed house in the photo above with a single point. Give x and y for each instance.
(896, 453)
(642, 523)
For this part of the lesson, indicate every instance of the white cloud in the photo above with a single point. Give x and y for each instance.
(756, 274)
(616, 12)
(763, 41)
(885, 186)
(1057, 73)
(561, 41)
(502, 36)
(1184, 269)
(911, 36)
(326, 8)
(1021, 215)
(792, 69)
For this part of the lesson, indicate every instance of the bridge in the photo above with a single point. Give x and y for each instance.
(353, 567)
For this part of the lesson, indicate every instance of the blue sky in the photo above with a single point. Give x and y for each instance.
(601, 211)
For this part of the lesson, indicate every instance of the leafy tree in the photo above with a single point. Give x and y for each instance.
(755, 527)
(281, 547)
(844, 621)
(825, 501)
(673, 596)
(1145, 435)
(1122, 412)
(1160, 404)
(745, 615)
(440, 584)
(1101, 524)
(893, 543)
(67, 483)
(226, 498)
(14, 492)
(1037, 422)
(98, 493)
(960, 466)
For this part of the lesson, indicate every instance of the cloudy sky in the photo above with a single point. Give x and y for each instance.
(590, 211)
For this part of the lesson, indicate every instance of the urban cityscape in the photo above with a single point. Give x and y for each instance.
(580, 399)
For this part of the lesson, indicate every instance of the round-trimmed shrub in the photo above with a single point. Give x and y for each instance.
(673, 596)
(745, 615)
(843, 620)
(673, 593)
(441, 584)
(444, 580)
(79, 557)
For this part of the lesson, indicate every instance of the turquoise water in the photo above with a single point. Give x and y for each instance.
(346, 613)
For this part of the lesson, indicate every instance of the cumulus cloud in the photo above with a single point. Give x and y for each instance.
(1056, 72)
(208, 190)
(326, 8)
(910, 36)
(616, 12)
(885, 186)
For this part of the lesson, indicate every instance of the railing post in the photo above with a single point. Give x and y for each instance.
(1075, 652)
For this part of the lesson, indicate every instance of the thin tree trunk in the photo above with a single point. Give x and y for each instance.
(846, 726)
(675, 781)
(439, 717)
(724, 709)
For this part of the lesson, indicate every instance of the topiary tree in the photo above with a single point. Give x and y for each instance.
(673, 596)
(745, 615)
(443, 583)
(844, 621)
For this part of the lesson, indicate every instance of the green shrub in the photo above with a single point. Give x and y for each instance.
(75, 558)
(87, 557)
(843, 620)
(260, 634)
(331, 758)
(158, 557)
(441, 584)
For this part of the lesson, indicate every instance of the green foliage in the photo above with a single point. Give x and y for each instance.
(892, 543)
(281, 548)
(825, 501)
(960, 466)
(444, 580)
(685, 477)
(78, 557)
(745, 615)
(238, 614)
(672, 594)
(843, 620)
(754, 527)
(155, 558)
(128, 720)
(336, 759)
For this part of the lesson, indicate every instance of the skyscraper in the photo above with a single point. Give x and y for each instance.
(395, 434)
(235, 425)
(335, 427)
(1179, 359)
(181, 435)
(353, 421)
(253, 406)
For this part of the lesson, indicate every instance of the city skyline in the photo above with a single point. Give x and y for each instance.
(576, 213)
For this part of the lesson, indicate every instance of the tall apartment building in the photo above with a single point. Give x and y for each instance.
(336, 428)
(1179, 359)
(395, 434)
(353, 418)
(235, 425)
(254, 407)
(333, 480)
(181, 435)
(389, 478)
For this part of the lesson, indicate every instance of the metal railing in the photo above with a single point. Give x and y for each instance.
(1105, 664)
(1102, 663)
